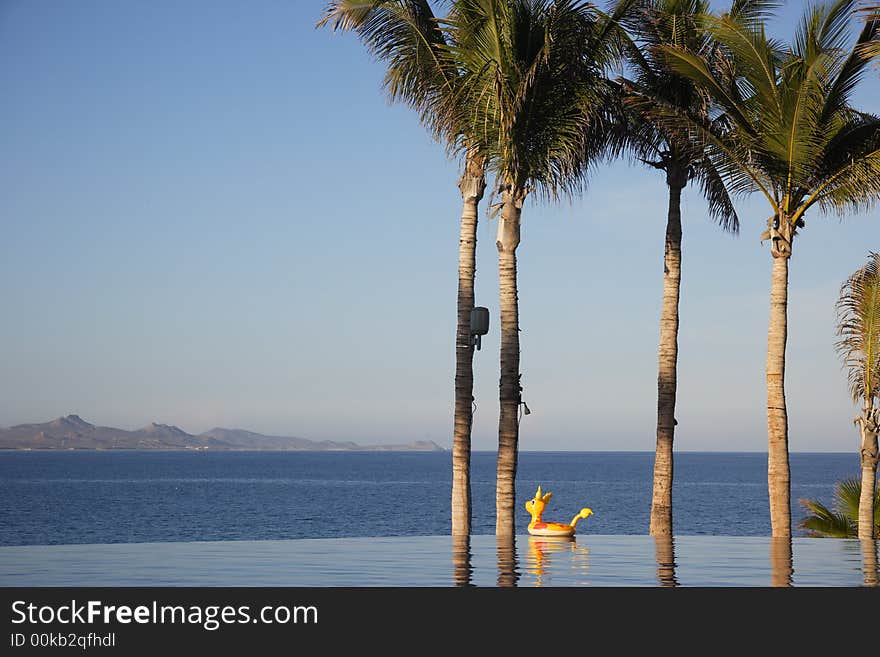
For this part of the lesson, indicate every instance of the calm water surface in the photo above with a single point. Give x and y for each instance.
(62, 498)
(382, 519)
(594, 560)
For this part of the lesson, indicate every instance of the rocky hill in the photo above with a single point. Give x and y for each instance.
(72, 432)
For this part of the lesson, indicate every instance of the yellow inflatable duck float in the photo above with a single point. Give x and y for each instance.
(537, 527)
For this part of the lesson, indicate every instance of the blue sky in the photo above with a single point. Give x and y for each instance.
(212, 217)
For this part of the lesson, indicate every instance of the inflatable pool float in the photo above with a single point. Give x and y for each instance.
(537, 527)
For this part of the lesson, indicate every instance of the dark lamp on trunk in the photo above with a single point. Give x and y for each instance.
(479, 324)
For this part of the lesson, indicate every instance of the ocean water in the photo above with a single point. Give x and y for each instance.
(66, 498)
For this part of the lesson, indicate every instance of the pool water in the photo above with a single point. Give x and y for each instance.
(438, 561)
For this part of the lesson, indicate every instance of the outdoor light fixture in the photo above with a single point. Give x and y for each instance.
(479, 324)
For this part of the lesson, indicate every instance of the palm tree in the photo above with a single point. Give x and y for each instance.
(534, 78)
(843, 519)
(408, 37)
(655, 142)
(788, 130)
(858, 325)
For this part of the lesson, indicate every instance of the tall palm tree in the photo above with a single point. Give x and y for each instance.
(843, 519)
(409, 38)
(858, 325)
(534, 78)
(652, 24)
(788, 130)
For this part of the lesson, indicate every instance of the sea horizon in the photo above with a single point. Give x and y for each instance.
(126, 495)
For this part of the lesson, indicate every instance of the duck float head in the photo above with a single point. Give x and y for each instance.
(537, 527)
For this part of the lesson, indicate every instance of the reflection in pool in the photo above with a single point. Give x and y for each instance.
(482, 560)
(540, 556)
(869, 557)
(707, 561)
(710, 561)
(665, 551)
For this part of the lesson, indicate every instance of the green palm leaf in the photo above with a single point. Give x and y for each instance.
(871, 49)
(842, 521)
(752, 12)
(852, 69)
(407, 37)
(824, 523)
(694, 67)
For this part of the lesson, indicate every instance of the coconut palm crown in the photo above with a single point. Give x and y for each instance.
(785, 126)
(534, 73)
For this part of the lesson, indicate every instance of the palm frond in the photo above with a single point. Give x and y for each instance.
(872, 49)
(799, 138)
(732, 158)
(853, 67)
(846, 497)
(824, 522)
(695, 68)
(757, 59)
(753, 12)
(407, 37)
(842, 521)
(846, 176)
(853, 188)
(714, 190)
(858, 328)
(823, 28)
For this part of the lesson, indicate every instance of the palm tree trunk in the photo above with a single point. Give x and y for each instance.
(509, 389)
(778, 473)
(868, 459)
(667, 378)
(471, 185)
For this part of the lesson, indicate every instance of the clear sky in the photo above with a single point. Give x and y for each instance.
(212, 217)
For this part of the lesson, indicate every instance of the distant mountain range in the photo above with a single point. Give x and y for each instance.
(72, 432)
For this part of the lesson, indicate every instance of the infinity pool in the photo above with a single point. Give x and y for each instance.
(611, 560)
